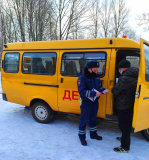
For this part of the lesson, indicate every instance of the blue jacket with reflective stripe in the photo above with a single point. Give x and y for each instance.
(86, 83)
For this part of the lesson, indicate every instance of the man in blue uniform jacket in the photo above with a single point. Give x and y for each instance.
(90, 89)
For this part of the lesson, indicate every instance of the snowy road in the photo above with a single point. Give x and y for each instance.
(22, 138)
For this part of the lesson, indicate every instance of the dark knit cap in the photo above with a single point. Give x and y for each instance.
(92, 64)
(124, 64)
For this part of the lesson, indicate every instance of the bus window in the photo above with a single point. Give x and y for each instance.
(11, 62)
(73, 64)
(39, 63)
(135, 61)
(101, 58)
(146, 51)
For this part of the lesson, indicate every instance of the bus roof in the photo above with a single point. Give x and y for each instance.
(74, 44)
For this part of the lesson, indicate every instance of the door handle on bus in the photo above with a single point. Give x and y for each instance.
(111, 83)
(138, 93)
(61, 80)
(145, 98)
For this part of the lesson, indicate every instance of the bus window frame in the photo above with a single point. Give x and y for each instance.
(75, 52)
(145, 61)
(18, 63)
(40, 73)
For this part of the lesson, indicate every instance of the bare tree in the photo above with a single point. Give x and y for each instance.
(95, 12)
(39, 21)
(105, 17)
(2, 26)
(8, 25)
(143, 20)
(20, 12)
(30, 19)
(68, 13)
(109, 19)
(120, 17)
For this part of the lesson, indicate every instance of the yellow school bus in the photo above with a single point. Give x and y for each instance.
(43, 75)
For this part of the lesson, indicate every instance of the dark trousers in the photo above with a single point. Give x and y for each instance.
(88, 115)
(125, 125)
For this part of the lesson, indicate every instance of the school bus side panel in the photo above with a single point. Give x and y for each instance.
(22, 88)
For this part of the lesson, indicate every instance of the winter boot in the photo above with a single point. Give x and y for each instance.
(97, 137)
(83, 142)
(118, 138)
(121, 150)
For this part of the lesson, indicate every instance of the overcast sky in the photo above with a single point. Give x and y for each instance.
(138, 7)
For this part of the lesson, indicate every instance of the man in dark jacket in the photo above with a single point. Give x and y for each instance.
(124, 93)
(90, 89)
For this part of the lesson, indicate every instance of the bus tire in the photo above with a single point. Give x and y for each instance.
(145, 134)
(42, 112)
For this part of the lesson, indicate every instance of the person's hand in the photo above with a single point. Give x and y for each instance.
(106, 93)
(98, 94)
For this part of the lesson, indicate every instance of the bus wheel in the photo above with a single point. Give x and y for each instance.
(145, 133)
(42, 113)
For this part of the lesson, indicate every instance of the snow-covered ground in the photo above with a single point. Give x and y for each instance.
(22, 138)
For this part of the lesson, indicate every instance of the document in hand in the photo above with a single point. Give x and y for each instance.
(106, 90)
(93, 98)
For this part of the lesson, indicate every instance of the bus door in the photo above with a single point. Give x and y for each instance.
(141, 107)
(71, 66)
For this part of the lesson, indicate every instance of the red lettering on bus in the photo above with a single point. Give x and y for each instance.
(74, 95)
(65, 95)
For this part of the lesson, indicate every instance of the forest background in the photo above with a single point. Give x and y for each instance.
(42, 20)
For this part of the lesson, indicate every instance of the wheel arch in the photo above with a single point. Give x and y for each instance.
(38, 100)
(45, 113)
